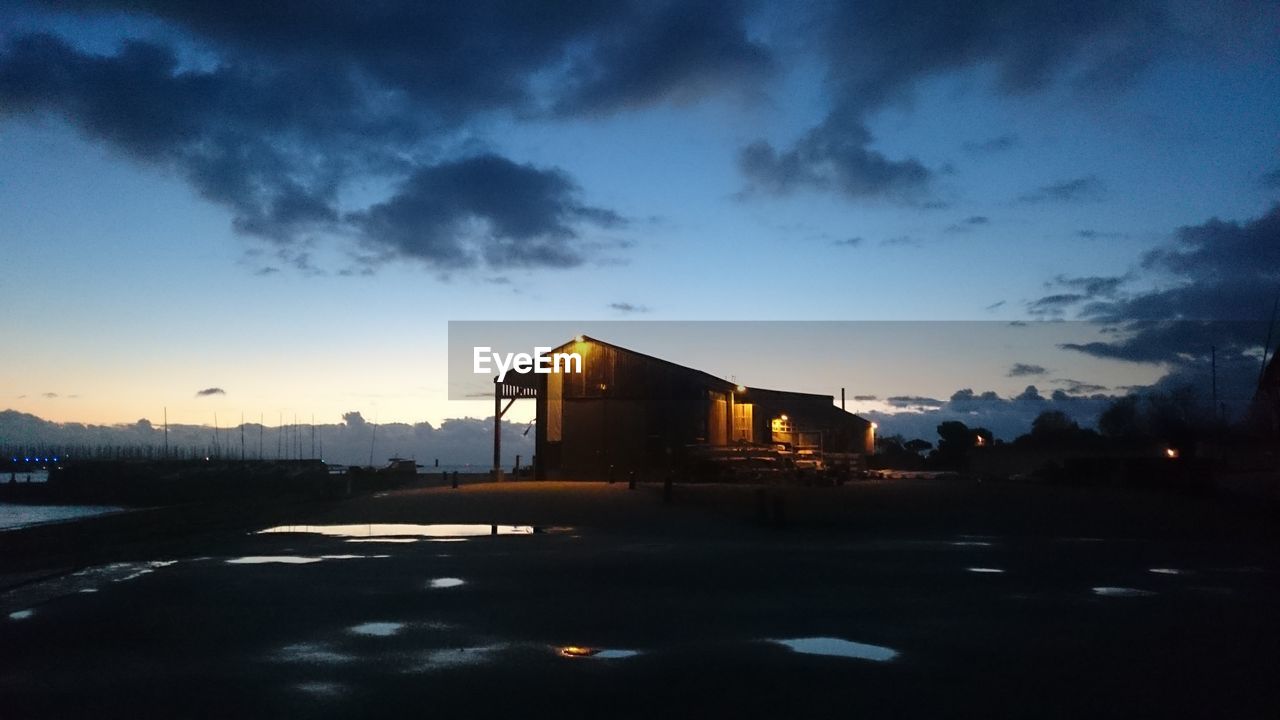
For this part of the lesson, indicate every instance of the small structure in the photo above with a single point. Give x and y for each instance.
(630, 412)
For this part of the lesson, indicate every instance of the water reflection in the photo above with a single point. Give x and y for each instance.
(996, 571)
(578, 651)
(391, 530)
(377, 629)
(21, 614)
(313, 653)
(1121, 592)
(1165, 571)
(294, 559)
(446, 582)
(836, 647)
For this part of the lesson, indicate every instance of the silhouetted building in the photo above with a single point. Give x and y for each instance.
(633, 412)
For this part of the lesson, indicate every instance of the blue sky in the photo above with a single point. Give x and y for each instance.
(961, 164)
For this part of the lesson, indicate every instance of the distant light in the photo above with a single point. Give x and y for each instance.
(1172, 453)
(783, 418)
(580, 338)
(576, 651)
(875, 425)
(742, 388)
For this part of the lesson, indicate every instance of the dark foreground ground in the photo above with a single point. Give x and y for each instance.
(1106, 604)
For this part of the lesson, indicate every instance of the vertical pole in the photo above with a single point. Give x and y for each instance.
(241, 437)
(166, 433)
(497, 429)
(842, 398)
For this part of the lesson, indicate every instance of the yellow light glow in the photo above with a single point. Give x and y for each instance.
(575, 651)
(875, 426)
(1171, 453)
(783, 418)
(742, 388)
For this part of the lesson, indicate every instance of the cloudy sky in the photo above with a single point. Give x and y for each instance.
(286, 204)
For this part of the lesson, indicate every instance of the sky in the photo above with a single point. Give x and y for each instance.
(285, 206)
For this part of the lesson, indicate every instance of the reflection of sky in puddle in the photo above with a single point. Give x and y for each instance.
(375, 530)
(383, 540)
(988, 570)
(313, 653)
(324, 689)
(835, 647)
(1121, 592)
(1165, 571)
(455, 657)
(377, 629)
(21, 614)
(294, 559)
(577, 651)
(970, 543)
(446, 582)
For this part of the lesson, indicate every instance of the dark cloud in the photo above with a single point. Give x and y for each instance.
(968, 224)
(876, 51)
(994, 306)
(833, 158)
(1092, 286)
(848, 242)
(865, 398)
(207, 392)
(1098, 235)
(913, 401)
(678, 51)
(1081, 189)
(626, 307)
(1216, 284)
(1078, 387)
(1054, 305)
(1025, 369)
(997, 144)
(287, 106)
(49, 395)
(484, 208)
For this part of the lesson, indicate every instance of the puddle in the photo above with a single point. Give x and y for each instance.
(323, 689)
(447, 582)
(294, 559)
(577, 651)
(835, 647)
(994, 571)
(312, 653)
(1166, 571)
(21, 614)
(393, 530)
(377, 629)
(145, 569)
(456, 657)
(970, 543)
(383, 540)
(1121, 592)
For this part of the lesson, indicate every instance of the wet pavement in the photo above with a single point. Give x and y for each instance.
(694, 613)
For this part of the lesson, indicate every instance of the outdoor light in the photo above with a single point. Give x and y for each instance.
(1171, 453)
(783, 418)
(580, 338)
(576, 652)
(875, 425)
(742, 388)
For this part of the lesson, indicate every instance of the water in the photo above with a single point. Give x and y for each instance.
(836, 647)
(26, 476)
(400, 530)
(17, 515)
(294, 559)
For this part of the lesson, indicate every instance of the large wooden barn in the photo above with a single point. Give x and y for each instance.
(627, 411)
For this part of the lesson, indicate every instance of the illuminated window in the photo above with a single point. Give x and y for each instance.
(742, 429)
(782, 424)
